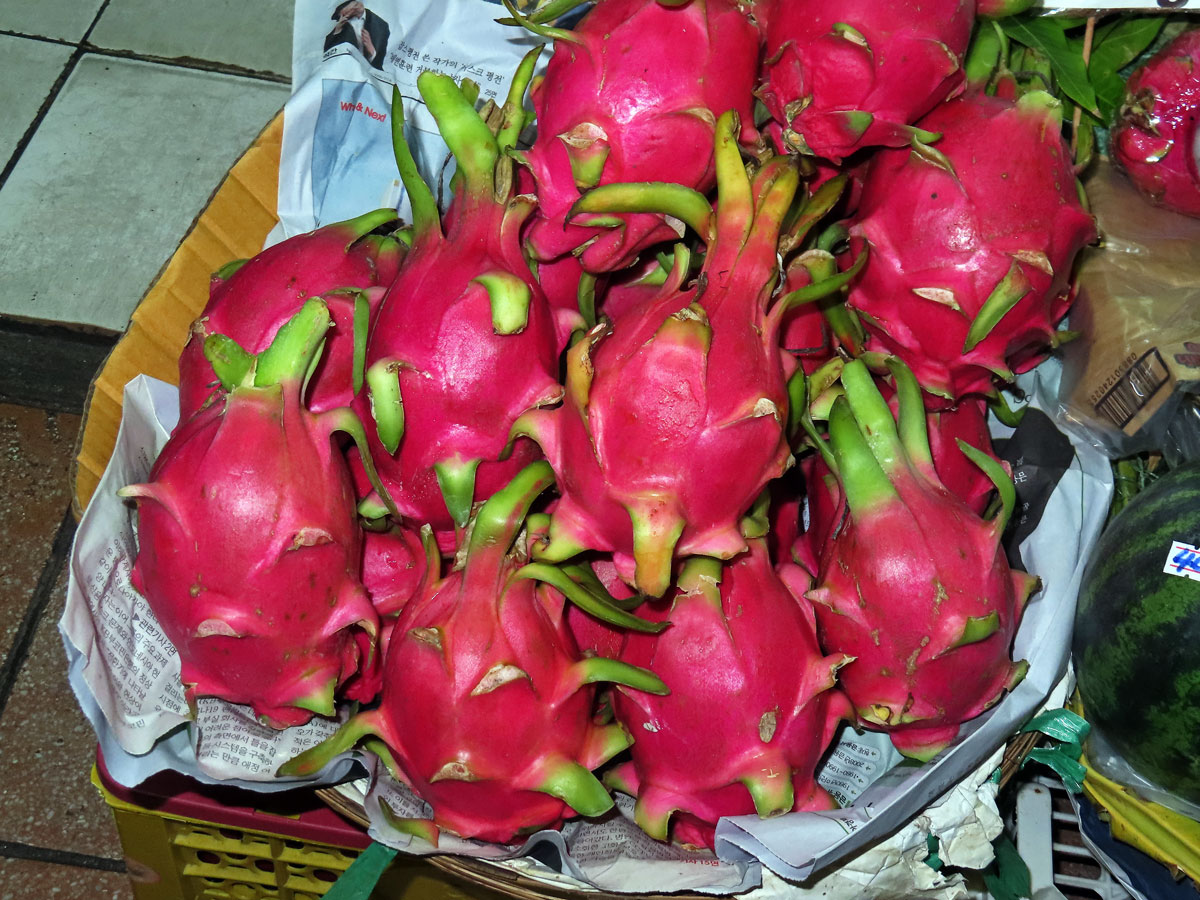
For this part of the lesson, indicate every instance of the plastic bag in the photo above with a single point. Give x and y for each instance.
(1129, 380)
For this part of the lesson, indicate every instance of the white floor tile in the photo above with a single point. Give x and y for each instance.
(255, 36)
(65, 20)
(124, 160)
(27, 71)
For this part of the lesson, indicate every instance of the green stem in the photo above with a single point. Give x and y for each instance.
(472, 143)
(420, 197)
(296, 347)
(500, 518)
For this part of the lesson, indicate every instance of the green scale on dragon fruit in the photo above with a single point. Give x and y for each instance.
(752, 707)
(839, 77)
(971, 249)
(632, 94)
(464, 342)
(346, 264)
(499, 739)
(249, 549)
(929, 617)
(1137, 636)
(1156, 137)
(683, 392)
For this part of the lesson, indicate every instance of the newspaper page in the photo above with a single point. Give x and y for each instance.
(337, 159)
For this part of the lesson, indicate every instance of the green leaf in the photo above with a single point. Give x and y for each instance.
(1049, 38)
(1120, 44)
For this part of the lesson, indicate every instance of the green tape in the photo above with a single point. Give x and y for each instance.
(1068, 730)
(933, 860)
(357, 882)
(1064, 760)
(1060, 724)
(1007, 878)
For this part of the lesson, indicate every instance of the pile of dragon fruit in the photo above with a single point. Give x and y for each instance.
(661, 450)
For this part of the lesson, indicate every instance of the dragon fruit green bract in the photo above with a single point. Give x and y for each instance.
(486, 711)
(250, 300)
(1155, 137)
(971, 248)
(838, 77)
(248, 543)
(673, 420)
(632, 95)
(751, 709)
(913, 584)
(464, 342)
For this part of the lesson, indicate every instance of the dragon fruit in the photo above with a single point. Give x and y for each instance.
(486, 711)
(249, 300)
(464, 342)
(1156, 138)
(623, 93)
(249, 546)
(751, 710)
(838, 77)
(971, 249)
(912, 583)
(674, 415)
(394, 564)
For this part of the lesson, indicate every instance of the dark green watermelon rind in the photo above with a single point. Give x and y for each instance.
(1137, 636)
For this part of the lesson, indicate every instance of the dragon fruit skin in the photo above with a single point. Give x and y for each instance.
(751, 709)
(682, 394)
(622, 94)
(971, 291)
(912, 583)
(1156, 137)
(465, 341)
(840, 77)
(249, 546)
(249, 303)
(394, 564)
(499, 739)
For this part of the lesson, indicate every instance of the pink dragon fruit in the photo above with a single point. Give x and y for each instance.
(635, 82)
(395, 561)
(954, 469)
(249, 300)
(249, 546)
(751, 710)
(912, 583)
(1156, 138)
(465, 341)
(498, 737)
(971, 249)
(674, 415)
(838, 77)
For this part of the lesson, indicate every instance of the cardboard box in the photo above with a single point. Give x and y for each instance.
(234, 225)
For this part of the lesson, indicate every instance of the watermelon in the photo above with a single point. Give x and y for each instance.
(1137, 634)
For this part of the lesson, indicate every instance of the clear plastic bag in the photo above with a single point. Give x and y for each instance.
(1130, 379)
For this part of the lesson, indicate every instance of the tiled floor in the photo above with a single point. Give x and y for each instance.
(117, 120)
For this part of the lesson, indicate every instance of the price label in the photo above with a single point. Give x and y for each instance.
(1183, 560)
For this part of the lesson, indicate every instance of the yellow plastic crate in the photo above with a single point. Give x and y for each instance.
(173, 856)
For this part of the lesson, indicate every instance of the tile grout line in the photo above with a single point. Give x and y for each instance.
(51, 96)
(84, 47)
(15, 850)
(23, 639)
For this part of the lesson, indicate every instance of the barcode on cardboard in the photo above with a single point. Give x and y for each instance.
(1127, 397)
